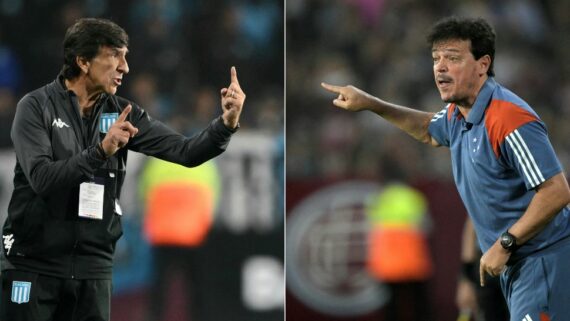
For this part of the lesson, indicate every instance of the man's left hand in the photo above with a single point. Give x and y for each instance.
(493, 261)
(232, 101)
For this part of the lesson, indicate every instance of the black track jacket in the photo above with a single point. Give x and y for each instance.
(56, 151)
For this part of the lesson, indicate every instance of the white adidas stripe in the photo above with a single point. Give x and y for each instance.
(527, 318)
(436, 117)
(529, 155)
(523, 161)
(439, 114)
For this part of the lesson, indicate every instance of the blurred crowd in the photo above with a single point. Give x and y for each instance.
(180, 55)
(380, 47)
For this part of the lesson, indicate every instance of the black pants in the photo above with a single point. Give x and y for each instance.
(491, 301)
(176, 263)
(409, 301)
(29, 296)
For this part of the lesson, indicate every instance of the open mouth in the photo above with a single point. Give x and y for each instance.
(443, 82)
(117, 81)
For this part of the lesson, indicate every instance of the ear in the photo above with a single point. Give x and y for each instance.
(83, 64)
(484, 64)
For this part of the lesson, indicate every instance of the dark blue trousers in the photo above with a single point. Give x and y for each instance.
(537, 288)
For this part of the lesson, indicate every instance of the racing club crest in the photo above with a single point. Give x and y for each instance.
(107, 120)
(21, 292)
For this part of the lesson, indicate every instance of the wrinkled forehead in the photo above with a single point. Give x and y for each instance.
(451, 45)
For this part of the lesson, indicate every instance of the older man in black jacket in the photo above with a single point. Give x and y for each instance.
(71, 139)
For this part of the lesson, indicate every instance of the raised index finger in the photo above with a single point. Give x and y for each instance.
(233, 73)
(331, 88)
(123, 115)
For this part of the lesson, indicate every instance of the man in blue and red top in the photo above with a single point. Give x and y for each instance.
(504, 166)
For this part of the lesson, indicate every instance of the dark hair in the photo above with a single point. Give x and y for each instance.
(478, 31)
(84, 39)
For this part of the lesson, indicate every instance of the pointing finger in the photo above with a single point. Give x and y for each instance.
(233, 73)
(124, 114)
(331, 88)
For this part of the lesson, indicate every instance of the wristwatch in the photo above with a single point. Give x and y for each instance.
(508, 241)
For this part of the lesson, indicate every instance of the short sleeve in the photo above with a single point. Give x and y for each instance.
(528, 150)
(439, 127)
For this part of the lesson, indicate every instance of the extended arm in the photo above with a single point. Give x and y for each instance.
(156, 139)
(412, 121)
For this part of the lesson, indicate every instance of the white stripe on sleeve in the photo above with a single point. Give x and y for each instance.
(522, 160)
(534, 165)
(439, 114)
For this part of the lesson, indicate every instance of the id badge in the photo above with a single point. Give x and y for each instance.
(91, 199)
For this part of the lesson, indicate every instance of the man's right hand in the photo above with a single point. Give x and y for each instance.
(412, 121)
(349, 97)
(119, 133)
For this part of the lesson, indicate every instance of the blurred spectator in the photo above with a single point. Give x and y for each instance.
(144, 90)
(257, 26)
(7, 111)
(201, 105)
(10, 69)
(180, 205)
(10, 83)
(398, 251)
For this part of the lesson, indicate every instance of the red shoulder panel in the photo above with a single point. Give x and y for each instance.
(501, 119)
(450, 111)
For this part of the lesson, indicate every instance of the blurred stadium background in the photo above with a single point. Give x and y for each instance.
(180, 56)
(335, 159)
